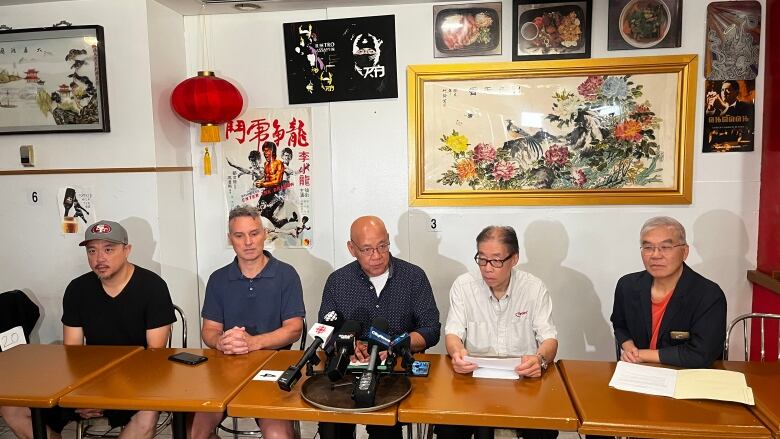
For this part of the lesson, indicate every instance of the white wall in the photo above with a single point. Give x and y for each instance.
(156, 208)
(361, 169)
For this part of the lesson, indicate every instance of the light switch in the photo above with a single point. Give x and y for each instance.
(27, 155)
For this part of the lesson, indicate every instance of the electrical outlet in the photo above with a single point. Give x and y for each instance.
(27, 155)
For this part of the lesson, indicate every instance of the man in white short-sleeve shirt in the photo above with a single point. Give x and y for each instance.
(499, 311)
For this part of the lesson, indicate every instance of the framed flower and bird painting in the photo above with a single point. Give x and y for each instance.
(568, 132)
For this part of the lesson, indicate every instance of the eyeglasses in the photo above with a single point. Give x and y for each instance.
(369, 251)
(665, 249)
(496, 263)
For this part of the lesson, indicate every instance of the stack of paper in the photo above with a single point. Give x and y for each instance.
(722, 385)
(492, 367)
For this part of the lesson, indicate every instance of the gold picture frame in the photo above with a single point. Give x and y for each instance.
(564, 132)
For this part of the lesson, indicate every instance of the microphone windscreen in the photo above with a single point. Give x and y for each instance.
(380, 323)
(351, 327)
(332, 318)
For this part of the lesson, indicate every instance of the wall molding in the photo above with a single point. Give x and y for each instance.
(97, 170)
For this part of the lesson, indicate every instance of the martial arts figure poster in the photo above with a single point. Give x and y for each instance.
(341, 60)
(266, 163)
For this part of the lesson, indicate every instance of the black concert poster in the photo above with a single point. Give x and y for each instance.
(341, 60)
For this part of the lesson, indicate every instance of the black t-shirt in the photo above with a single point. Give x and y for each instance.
(144, 303)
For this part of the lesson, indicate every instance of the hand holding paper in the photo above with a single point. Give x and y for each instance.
(489, 367)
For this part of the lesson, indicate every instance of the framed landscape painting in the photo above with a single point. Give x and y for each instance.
(598, 131)
(52, 80)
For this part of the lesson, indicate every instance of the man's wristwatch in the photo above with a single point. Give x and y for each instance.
(542, 361)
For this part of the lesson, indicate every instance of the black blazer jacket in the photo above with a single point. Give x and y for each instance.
(696, 314)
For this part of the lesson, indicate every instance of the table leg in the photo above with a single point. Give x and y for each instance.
(179, 425)
(39, 427)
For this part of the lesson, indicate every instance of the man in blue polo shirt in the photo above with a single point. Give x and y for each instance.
(255, 302)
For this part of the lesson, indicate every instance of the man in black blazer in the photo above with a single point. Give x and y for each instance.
(668, 314)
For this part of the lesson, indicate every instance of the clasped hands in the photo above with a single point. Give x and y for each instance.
(529, 365)
(234, 341)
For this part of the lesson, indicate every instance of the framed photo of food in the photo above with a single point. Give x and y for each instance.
(644, 24)
(547, 29)
(467, 29)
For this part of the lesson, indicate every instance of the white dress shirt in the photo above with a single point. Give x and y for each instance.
(512, 326)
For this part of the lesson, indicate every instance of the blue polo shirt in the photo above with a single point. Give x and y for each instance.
(259, 304)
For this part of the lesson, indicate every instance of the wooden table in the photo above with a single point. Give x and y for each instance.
(36, 375)
(264, 399)
(764, 379)
(607, 411)
(149, 381)
(447, 397)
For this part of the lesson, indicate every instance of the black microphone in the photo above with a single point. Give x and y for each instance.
(321, 333)
(364, 392)
(401, 346)
(344, 343)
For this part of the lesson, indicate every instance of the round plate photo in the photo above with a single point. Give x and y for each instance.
(644, 23)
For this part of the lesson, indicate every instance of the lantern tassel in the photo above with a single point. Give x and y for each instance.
(209, 133)
(206, 162)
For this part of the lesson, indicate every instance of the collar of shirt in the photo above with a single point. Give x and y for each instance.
(362, 274)
(270, 269)
(509, 287)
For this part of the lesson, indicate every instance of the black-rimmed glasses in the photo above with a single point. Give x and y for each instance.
(496, 263)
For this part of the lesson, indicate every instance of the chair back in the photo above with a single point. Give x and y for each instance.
(183, 320)
(19, 313)
(744, 318)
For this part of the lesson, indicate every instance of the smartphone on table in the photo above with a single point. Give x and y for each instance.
(188, 358)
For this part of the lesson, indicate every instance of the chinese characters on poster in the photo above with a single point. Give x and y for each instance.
(341, 60)
(267, 164)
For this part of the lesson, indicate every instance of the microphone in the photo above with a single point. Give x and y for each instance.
(334, 319)
(344, 343)
(364, 392)
(401, 346)
(321, 333)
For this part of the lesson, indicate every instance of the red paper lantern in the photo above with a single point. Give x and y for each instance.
(209, 101)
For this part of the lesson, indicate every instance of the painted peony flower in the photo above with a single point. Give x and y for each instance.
(504, 170)
(458, 143)
(556, 155)
(590, 88)
(630, 130)
(484, 152)
(578, 175)
(615, 88)
(466, 169)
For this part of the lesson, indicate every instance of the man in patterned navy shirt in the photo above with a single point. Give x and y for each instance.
(378, 285)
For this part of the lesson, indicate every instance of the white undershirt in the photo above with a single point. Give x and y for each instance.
(380, 281)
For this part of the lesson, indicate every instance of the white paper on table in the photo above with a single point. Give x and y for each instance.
(503, 363)
(721, 385)
(503, 374)
(644, 379)
(268, 375)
